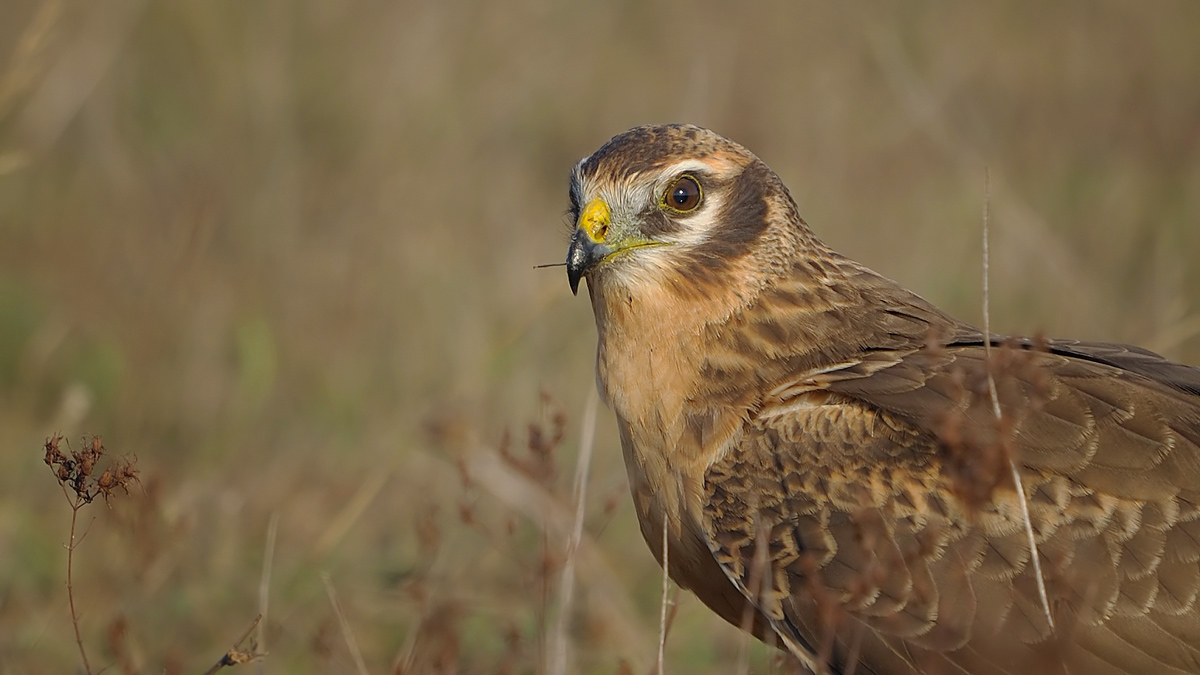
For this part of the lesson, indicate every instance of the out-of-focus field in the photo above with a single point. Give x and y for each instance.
(283, 254)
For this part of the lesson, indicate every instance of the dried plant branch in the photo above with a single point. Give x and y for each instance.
(75, 506)
(76, 471)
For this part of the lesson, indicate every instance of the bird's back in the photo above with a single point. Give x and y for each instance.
(880, 485)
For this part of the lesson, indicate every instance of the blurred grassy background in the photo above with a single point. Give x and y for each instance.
(282, 252)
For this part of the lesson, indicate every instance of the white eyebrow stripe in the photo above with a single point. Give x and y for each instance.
(686, 166)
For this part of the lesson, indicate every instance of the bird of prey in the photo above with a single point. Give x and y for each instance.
(847, 472)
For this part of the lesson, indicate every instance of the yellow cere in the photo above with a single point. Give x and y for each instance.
(594, 219)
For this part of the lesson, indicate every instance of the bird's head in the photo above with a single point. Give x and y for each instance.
(679, 209)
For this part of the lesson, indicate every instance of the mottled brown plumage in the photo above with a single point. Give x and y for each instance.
(824, 448)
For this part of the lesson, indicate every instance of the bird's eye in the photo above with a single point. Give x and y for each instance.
(684, 195)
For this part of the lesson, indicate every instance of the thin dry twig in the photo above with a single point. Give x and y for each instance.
(236, 655)
(666, 587)
(991, 382)
(347, 634)
(87, 668)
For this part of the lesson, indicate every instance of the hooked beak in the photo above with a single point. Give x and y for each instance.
(587, 243)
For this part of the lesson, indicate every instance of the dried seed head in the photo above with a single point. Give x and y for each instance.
(75, 472)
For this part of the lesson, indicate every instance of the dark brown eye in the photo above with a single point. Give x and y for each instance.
(683, 195)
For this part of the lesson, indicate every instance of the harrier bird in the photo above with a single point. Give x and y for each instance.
(851, 474)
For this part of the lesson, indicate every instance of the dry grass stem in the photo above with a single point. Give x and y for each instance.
(924, 106)
(666, 587)
(1018, 485)
(1175, 336)
(758, 570)
(27, 61)
(558, 661)
(608, 599)
(352, 512)
(347, 633)
(987, 313)
(264, 589)
(403, 661)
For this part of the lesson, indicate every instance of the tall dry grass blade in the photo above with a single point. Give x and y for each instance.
(744, 640)
(754, 589)
(991, 381)
(352, 512)
(347, 633)
(987, 298)
(77, 72)
(1175, 336)
(405, 656)
(926, 107)
(27, 62)
(666, 588)
(558, 659)
(608, 599)
(264, 590)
